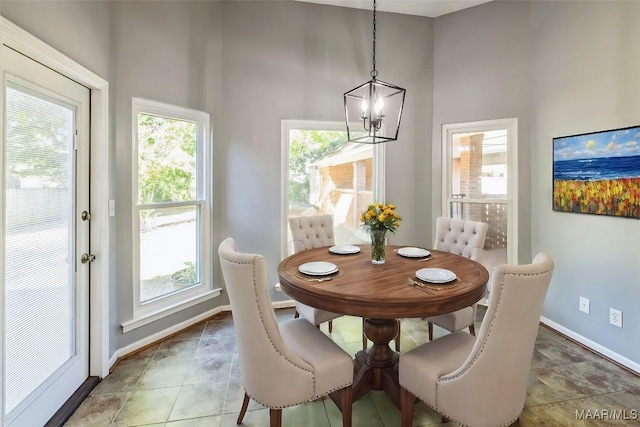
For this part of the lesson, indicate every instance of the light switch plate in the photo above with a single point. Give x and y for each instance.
(584, 305)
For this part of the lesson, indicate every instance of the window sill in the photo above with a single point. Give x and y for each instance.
(149, 317)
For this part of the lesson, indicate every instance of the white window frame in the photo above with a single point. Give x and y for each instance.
(285, 128)
(511, 125)
(144, 313)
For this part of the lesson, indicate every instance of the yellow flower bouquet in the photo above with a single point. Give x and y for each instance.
(379, 218)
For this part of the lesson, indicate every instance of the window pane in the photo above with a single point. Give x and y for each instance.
(168, 250)
(479, 171)
(166, 159)
(328, 175)
(479, 164)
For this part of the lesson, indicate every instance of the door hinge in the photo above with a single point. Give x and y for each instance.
(75, 141)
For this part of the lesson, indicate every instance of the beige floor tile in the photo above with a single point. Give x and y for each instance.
(197, 422)
(98, 410)
(164, 373)
(199, 400)
(147, 407)
(192, 380)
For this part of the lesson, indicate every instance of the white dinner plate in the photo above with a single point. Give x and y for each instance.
(344, 249)
(436, 275)
(318, 268)
(413, 252)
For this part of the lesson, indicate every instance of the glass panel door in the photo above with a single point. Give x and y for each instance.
(479, 177)
(44, 287)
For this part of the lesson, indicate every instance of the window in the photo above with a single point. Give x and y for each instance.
(172, 201)
(480, 180)
(322, 173)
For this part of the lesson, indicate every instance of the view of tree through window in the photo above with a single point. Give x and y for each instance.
(329, 175)
(168, 206)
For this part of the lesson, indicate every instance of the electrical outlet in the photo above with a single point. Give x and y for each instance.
(584, 305)
(615, 317)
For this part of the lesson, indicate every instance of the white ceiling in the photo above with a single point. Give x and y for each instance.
(429, 8)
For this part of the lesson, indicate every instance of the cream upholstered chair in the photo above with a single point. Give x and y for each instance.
(308, 232)
(460, 237)
(280, 364)
(482, 381)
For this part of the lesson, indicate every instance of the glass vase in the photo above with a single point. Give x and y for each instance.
(378, 238)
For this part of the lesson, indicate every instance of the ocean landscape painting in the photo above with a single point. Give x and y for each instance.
(598, 173)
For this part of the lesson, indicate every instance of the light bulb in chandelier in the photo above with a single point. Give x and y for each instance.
(379, 105)
(365, 107)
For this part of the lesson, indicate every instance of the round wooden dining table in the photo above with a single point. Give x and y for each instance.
(381, 294)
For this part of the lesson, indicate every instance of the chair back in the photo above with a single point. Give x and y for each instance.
(491, 385)
(314, 231)
(460, 237)
(270, 372)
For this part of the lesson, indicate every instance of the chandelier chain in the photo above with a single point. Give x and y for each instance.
(374, 72)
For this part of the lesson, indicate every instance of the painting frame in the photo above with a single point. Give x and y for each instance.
(597, 173)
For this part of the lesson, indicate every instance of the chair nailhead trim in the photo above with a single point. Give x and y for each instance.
(498, 304)
(271, 341)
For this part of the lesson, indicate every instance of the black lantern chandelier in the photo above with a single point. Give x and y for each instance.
(373, 110)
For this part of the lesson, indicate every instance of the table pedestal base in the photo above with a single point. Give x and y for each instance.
(369, 378)
(377, 367)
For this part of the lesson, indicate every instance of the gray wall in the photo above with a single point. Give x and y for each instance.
(482, 71)
(169, 52)
(284, 60)
(251, 65)
(561, 68)
(586, 81)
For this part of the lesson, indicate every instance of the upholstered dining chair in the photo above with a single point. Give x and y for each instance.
(460, 237)
(482, 381)
(282, 364)
(308, 232)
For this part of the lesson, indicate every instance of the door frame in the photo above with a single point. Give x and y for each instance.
(22, 41)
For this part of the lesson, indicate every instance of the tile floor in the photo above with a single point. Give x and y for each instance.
(191, 380)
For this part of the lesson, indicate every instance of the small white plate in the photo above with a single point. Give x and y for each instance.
(435, 275)
(318, 268)
(344, 249)
(413, 252)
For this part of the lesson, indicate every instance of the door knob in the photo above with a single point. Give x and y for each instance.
(85, 258)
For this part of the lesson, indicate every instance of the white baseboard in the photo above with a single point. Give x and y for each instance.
(165, 333)
(179, 327)
(635, 367)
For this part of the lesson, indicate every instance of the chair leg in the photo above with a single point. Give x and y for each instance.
(275, 417)
(296, 314)
(364, 337)
(430, 326)
(347, 404)
(407, 404)
(472, 329)
(243, 410)
(330, 326)
(398, 336)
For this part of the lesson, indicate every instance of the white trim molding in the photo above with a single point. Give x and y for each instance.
(628, 363)
(168, 310)
(158, 336)
(22, 41)
(135, 346)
